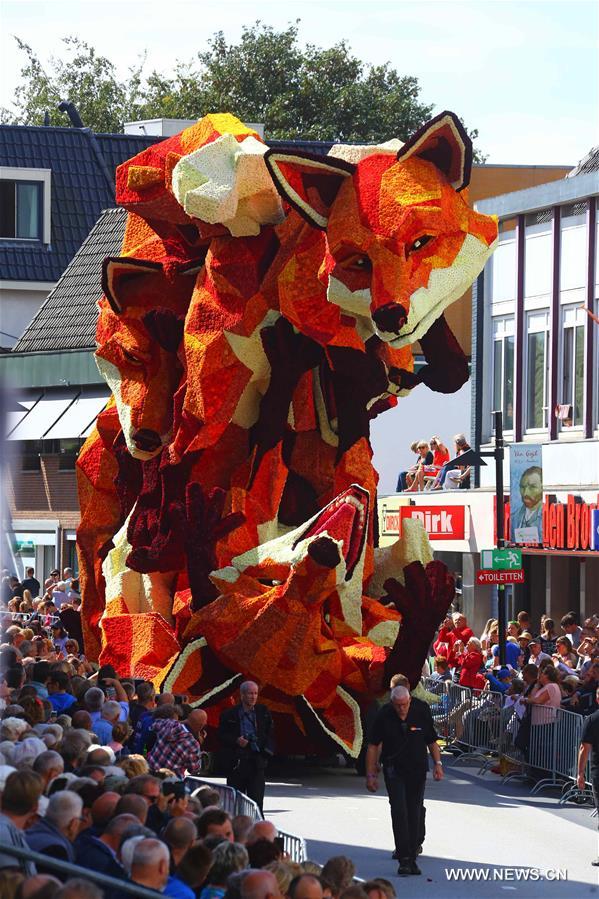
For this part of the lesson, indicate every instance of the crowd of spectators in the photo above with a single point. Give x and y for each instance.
(430, 470)
(543, 670)
(92, 772)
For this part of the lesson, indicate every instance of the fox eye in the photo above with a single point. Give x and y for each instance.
(358, 263)
(420, 242)
(131, 358)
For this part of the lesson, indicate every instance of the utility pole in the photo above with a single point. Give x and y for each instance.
(498, 454)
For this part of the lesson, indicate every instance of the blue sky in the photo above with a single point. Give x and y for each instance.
(524, 73)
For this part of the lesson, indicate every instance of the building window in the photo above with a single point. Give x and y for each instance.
(503, 369)
(570, 413)
(573, 269)
(538, 254)
(503, 264)
(68, 452)
(30, 455)
(537, 357)
(21, 209)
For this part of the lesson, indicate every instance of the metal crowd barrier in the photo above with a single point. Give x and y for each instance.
(112, 884)
(483, 726)
(235, 803)
(26, 617)
(246, 806)
(295, 847)
(228, 796)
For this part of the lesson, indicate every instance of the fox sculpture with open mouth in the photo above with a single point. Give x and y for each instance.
(263, 310)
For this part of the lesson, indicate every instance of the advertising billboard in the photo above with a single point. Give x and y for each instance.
(526, 493)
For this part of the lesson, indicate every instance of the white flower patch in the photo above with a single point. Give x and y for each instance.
(445, 286)
(227, 183)
(356, 152)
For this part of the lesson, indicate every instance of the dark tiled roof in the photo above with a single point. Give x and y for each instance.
(82, 167)
(588, 163)
(67, 320)
(316, 147)
(117, 148)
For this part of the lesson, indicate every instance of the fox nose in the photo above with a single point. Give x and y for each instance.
(325, 552)
(390, 318)
(146, 440)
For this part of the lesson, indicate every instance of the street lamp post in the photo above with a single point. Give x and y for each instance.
(498, 453)
(473, 458)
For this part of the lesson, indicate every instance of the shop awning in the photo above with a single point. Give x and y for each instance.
(80, 416)
(15, 416)
(44, 414)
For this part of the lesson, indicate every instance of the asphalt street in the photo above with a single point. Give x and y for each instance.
(474, 824)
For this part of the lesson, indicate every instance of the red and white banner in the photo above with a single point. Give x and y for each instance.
(440, 522)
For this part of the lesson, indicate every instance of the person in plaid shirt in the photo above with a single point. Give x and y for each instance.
(178, 744)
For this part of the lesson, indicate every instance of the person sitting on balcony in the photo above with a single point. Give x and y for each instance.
(458, 478)
(440, 457)
(425, 457)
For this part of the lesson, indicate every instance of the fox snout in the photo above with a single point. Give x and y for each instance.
(390, 318)
(146, 440)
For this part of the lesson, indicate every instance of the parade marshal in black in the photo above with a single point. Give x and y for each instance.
(246, 766)
(405, 744)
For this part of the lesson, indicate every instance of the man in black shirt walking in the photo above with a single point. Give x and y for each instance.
(401, 733)
(589, 742)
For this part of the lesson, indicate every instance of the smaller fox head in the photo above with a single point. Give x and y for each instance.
(401, 242)
(139, 330)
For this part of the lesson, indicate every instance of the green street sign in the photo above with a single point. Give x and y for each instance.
(24, 547)
(501, 559)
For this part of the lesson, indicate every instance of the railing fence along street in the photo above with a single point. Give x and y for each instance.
(58, 866)
(483, 727)
(236, 803)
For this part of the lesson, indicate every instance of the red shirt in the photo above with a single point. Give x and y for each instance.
(440, 457)
(450, 637)
(471, 663)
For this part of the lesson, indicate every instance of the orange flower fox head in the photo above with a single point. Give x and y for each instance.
(401, 242)
(139, 330)
(331, 544)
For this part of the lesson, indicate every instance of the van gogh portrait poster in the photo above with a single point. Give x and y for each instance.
(526, 493)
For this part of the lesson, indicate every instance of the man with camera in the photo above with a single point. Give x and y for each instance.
(246, 733)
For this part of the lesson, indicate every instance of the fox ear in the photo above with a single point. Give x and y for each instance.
(444, 142)
(118, 272)
(308, 183)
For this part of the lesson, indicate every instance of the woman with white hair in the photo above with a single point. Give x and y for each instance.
(13, 729)
(26, 751)
(471, 664)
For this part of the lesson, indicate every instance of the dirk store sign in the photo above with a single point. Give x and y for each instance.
(566, 525)
(439, 522)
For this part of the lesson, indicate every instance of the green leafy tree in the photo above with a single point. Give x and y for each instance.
(82, 76)
(310, 93)
(267, 76)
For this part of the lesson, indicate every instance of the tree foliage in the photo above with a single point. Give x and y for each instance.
(82, 76)
(296, 92)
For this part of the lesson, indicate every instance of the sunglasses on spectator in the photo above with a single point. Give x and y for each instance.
(150, 799)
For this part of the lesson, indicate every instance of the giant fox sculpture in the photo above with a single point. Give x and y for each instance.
(263, 310)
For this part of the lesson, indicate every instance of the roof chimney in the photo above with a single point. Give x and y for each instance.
(71, 111)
